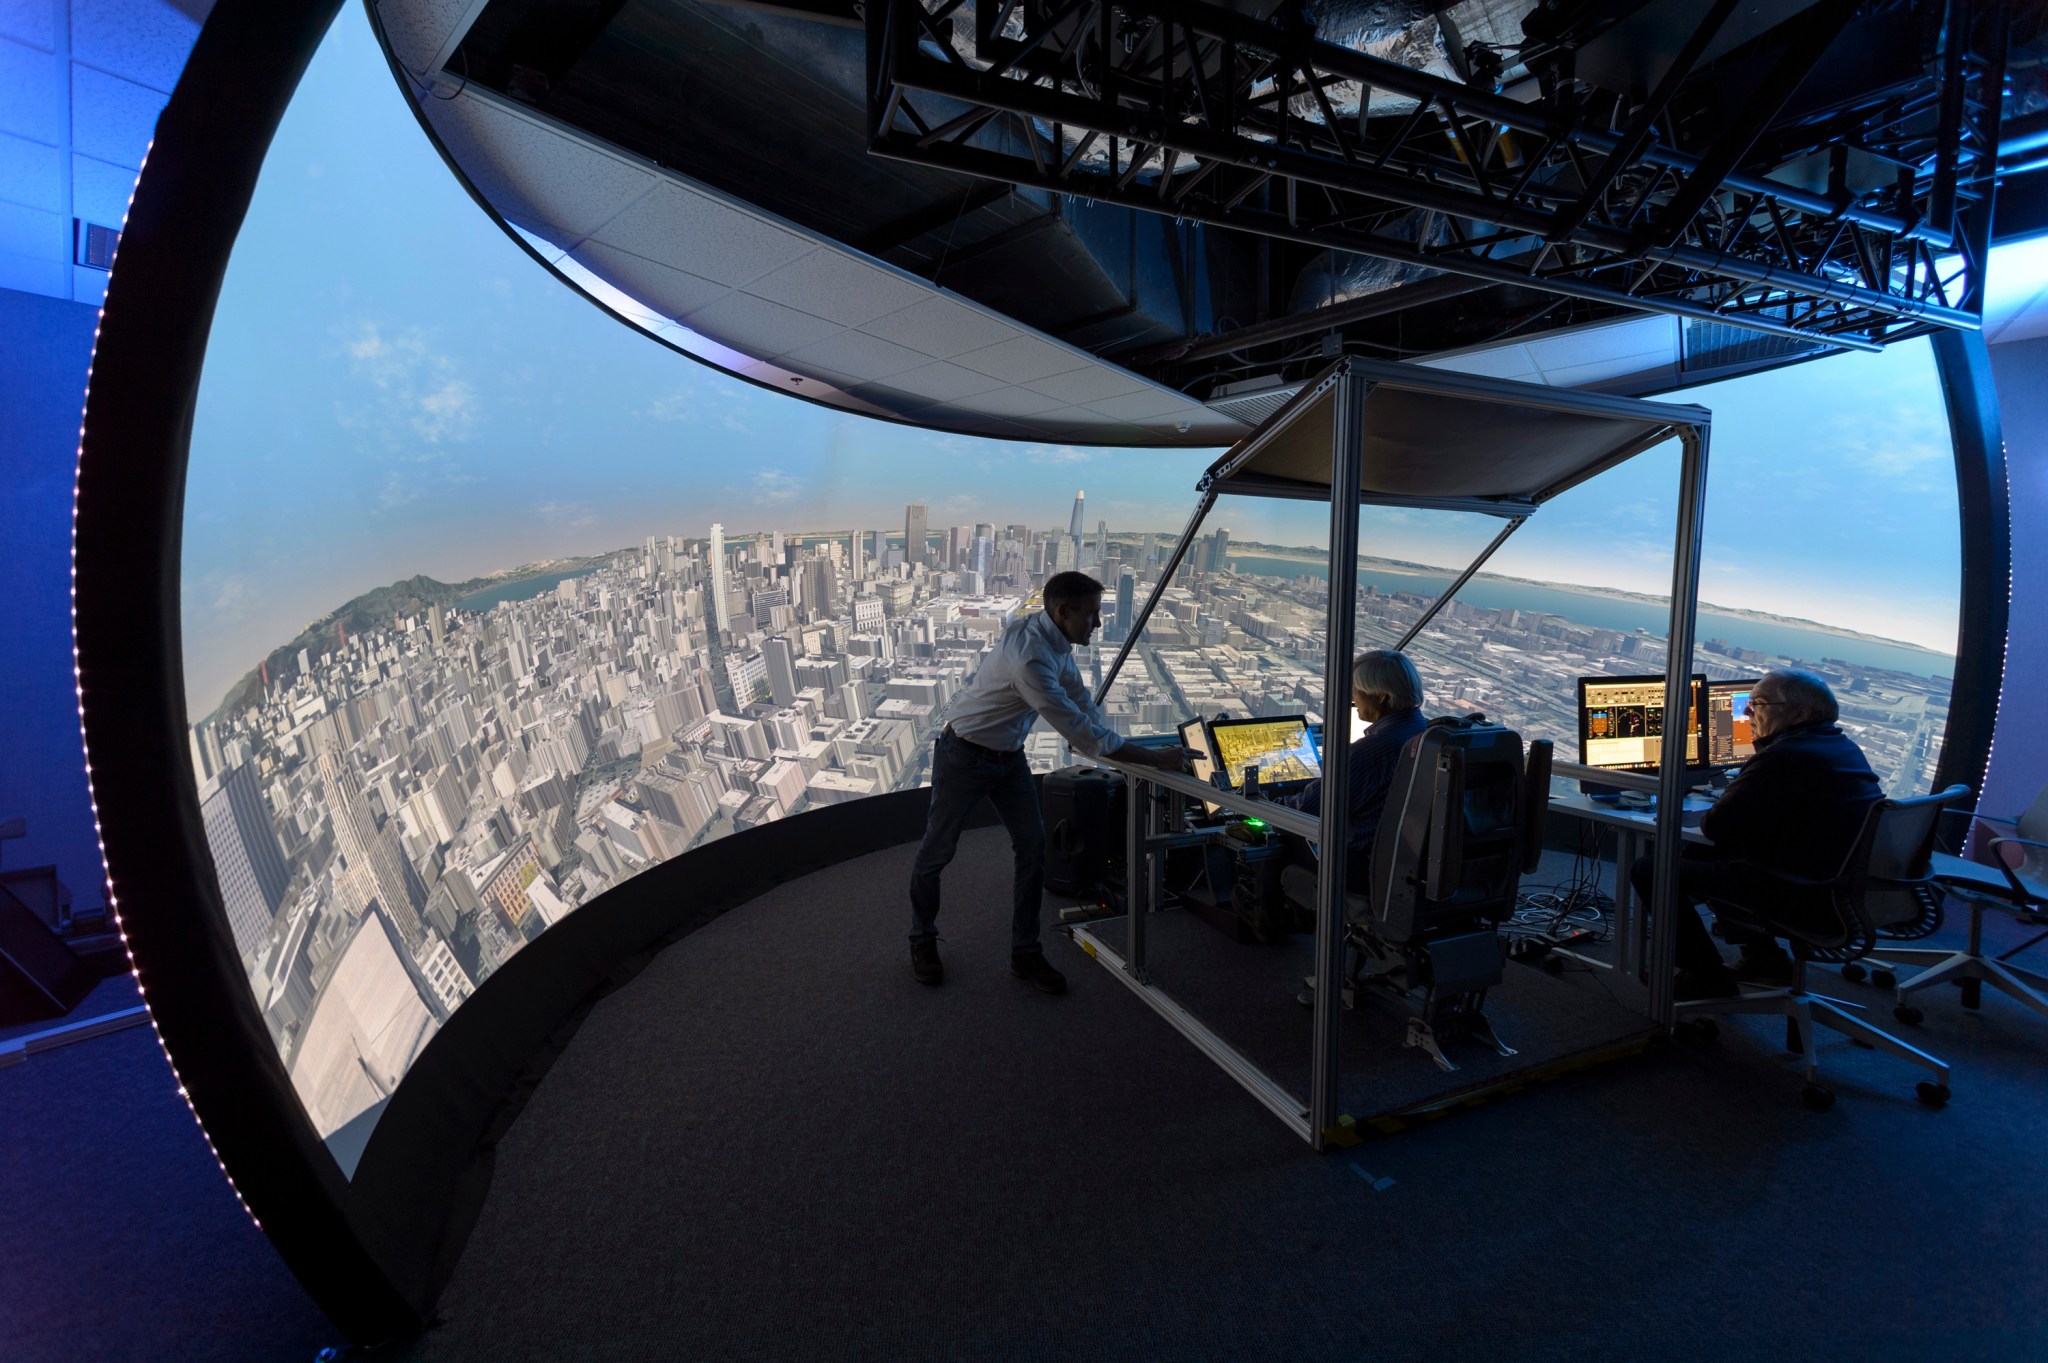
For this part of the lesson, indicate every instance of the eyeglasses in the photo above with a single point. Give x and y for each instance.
(1758, 700)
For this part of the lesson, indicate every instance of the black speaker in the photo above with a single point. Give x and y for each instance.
(1084, 828)
(39, 975)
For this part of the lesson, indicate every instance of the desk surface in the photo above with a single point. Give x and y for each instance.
(1640, 821)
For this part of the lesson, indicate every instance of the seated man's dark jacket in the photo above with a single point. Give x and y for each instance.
(1798, 804)
(1374, 757)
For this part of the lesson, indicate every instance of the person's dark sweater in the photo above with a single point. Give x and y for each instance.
(1374, 756)
(1797, 804)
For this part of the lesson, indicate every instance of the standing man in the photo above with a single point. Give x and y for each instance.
(1031, 674)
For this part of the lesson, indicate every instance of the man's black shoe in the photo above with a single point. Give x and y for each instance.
(924, 963)
(1032, 966)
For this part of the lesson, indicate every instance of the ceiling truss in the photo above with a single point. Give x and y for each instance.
(1210, 115)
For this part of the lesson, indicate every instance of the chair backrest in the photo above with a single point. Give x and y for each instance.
(1887, 874)
(2034, 823)
(1462, 817)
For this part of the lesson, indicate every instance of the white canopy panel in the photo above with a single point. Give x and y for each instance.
(1449, 440)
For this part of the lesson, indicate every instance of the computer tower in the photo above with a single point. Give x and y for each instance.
(1084, 828)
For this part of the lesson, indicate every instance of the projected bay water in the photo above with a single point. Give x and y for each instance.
(525, 589)
(1595, 609)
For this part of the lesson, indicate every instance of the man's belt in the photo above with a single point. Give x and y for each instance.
(972, 746)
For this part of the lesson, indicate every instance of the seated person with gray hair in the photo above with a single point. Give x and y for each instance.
(1797, 805)
(1387, 693)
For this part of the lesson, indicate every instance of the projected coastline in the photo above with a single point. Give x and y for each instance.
(409, 794)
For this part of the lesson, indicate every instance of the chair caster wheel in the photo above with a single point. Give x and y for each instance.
(1909, 1015)
(1884, 979)
(1934, 1095)
(1853, 973)
(1816, 1097)
(1699, 1029)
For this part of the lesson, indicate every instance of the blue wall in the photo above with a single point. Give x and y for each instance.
(45, 346)
(2019, 751)
(81, 85)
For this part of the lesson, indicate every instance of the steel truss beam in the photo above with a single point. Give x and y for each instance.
(1209, 115)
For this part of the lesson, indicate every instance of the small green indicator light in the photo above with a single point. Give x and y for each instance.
(1255, 823)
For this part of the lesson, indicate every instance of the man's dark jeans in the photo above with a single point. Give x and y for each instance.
(961, 775)
(1701, 877)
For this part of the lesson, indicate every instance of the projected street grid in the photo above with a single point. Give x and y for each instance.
(1281, 751)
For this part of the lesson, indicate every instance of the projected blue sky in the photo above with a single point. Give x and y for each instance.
(395, 387)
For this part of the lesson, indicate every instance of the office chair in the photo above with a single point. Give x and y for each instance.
(2016, 882)
(1885, 883)
(1463, 823)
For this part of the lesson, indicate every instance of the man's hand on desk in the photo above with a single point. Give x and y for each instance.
(1175, 758)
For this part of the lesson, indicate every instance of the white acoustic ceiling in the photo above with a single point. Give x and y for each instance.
(773, 300)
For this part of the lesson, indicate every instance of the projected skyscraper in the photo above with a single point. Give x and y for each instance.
(374, 868)
(245, 854)
(720, 610)
(1075, 522)
(914, 541)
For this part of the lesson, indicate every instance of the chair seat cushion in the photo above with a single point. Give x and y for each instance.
(1975, 875)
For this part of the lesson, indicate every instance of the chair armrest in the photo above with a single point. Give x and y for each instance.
(2012, 875)
(2018, 842)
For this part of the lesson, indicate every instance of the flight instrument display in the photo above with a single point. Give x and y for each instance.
(1280, 748)
(1621, 722)
(1730, 740)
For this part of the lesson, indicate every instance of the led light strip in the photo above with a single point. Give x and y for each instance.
(85, 738)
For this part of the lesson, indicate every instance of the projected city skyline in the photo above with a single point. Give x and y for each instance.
(412, 760)
(397, 810)
(454, 422)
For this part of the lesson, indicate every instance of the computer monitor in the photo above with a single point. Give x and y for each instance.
(1195, 735)
(1730, 741)
(1277, 744)
(1621, 723)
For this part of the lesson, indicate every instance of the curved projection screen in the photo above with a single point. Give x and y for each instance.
(491, 602)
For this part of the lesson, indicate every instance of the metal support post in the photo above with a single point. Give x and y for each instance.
(1136, 856)
(1180, 551)
(1459, 585)
(1346, 425)
(1678, 701)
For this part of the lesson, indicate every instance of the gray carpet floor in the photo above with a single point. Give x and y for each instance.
(773, 1144)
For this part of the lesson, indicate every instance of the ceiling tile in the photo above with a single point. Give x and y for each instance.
(1022, 359)
(942, 327)
(1091, 383)
(720, 242)
(942, 382)
(533, 175)
(858, 355)
(1139, 406)
(670, 292)
(758, 327)
(839, 287)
